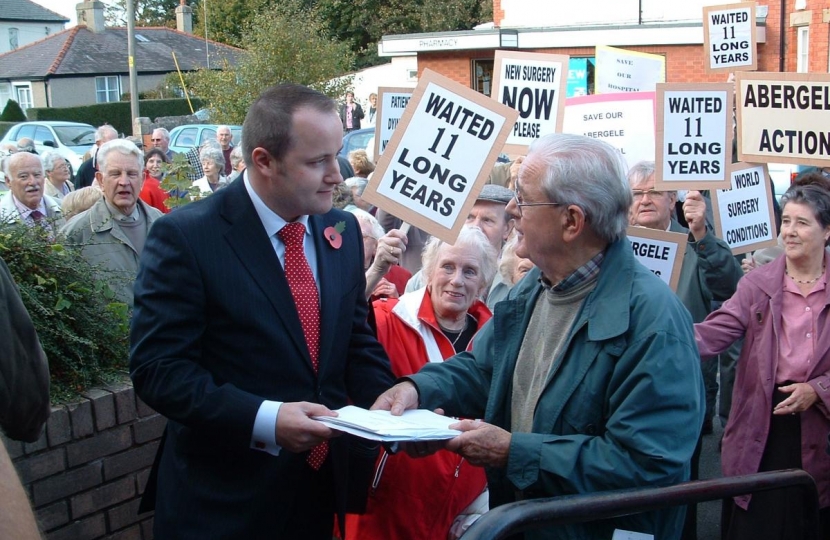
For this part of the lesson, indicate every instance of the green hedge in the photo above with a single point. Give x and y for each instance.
(117, 114)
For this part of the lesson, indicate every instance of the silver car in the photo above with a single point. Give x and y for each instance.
(70, 139)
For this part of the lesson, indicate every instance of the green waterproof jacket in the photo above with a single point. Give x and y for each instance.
(623, 406)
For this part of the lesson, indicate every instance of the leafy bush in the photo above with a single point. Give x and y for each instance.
(83, 330)
(12, 112)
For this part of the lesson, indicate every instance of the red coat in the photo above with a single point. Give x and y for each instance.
(152, 194)
(416, 498)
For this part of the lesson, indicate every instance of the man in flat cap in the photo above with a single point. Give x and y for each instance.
(488, 214)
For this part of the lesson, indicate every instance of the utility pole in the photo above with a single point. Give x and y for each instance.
(131, 60)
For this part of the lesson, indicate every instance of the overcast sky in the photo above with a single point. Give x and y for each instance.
(63, 7)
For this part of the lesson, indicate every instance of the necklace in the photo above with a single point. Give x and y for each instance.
(447, 333)
(807, 282)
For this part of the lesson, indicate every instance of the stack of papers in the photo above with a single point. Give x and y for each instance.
(413, 425)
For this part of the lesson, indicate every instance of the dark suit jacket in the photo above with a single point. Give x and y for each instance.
(214, 333)
(357, 115)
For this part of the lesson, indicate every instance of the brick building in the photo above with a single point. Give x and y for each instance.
(671, 29)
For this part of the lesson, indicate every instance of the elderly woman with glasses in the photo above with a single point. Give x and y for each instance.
(780, 413)
(57, 183)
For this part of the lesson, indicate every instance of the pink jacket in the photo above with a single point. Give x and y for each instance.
(755, 311)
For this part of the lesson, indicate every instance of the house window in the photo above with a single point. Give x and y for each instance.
(482, 76)
(107, 89)
(13, 39)
(803, 54)
(23, 93)
(5, 94)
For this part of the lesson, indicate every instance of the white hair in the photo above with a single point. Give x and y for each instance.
(122, 146)
(471, 237)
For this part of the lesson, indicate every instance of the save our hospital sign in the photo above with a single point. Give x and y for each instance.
(535, 85)
(440, 155)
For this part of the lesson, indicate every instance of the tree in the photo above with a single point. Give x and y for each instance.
(147, 13)
(12, 112)
(285, 43)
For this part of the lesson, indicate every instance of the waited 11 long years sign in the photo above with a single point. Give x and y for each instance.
(440, 155)
(694, 136)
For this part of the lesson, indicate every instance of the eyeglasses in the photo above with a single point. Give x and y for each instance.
(520, 203)
(652, 193)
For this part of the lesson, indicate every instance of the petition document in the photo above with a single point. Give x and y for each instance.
(413, 425)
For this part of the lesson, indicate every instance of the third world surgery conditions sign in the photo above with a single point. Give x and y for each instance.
(784, 118)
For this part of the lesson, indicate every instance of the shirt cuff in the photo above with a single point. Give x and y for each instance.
(264, 437)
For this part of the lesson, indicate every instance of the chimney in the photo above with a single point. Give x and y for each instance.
(91, 13)
(184, 18)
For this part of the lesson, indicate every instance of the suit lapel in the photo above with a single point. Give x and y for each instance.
(329, 261)
(248, 240)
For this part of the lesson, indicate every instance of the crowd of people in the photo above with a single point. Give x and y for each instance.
(283, 295)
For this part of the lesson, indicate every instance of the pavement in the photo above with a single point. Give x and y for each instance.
(708, 513)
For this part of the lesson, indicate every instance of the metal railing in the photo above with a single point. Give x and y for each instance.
(512, 518)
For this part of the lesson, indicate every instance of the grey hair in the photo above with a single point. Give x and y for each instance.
(236, 157)
(219, 128)
(122, 146)
(365, 217)
(7, 163)
(813, 196)
(642, 171)
(215, 154)
(209, 143)
(50, 158)
(164, 133)
(101, 131)
(587, 173)
(471, 237)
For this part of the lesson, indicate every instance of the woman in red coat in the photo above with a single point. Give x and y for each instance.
(151, 191)
(440, 495)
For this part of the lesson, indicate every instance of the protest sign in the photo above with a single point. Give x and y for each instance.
(440, 155)
(535, 85)
(391, 104)
(729, 37)
(744, 214)
(625, 121)
(694, 136)
(577, 77)
(784, 118)
(620, 70)
(659, 251)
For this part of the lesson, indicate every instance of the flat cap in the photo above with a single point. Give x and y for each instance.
(495, 193)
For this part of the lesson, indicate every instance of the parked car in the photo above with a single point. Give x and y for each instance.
(183, 138)
(70, 139)
(782, 175)
(358, 139)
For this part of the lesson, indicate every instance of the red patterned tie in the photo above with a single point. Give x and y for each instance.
(306, 299)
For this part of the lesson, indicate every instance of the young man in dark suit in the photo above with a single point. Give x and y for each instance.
(240, 335)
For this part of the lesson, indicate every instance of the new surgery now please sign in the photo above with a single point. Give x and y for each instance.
(440, 155)
(535, 85)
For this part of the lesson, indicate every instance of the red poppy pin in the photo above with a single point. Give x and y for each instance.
(333, 234)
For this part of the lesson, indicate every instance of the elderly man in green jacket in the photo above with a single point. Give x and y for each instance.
(112, 232)
(587, 377)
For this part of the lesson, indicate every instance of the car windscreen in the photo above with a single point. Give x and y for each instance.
(75, 135)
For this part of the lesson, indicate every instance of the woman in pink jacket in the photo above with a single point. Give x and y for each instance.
(780, 413)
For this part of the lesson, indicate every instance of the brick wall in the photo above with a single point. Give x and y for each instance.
(684, 63)
(86, 473)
